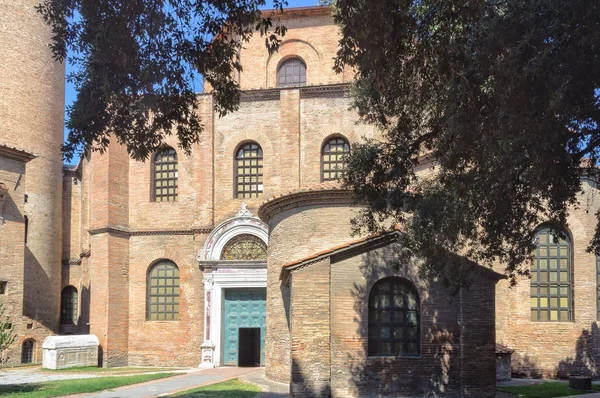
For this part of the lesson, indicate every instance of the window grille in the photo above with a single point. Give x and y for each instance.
(163, 292)
(393, 318)
(68, 306)
(27, 351)
(551, 278)
(249, 171)
(165, 176)
(291, 73)
(334, 159)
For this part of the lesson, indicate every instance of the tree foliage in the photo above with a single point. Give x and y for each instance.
(501, 95)
(7, 333)
(136, 65)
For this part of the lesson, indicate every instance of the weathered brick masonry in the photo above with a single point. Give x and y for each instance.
(318, 299)
(96, 227)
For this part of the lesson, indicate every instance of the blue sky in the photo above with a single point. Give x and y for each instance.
(70, 93)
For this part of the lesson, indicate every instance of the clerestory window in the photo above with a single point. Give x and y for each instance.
(291, 73)
(334, 158)
(165, 176)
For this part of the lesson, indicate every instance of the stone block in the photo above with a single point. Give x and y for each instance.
(580, 382)
(61, 352)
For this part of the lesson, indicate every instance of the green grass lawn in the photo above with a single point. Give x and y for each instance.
(545, 390)
(74, 386)
(231, 389)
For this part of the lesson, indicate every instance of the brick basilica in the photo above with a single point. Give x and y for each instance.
(241, 253)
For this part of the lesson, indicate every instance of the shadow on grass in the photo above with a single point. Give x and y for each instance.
(20, 388)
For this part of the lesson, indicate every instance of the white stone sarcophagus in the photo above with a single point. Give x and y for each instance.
(62, 352)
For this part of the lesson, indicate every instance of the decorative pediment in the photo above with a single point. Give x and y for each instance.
(242, 238)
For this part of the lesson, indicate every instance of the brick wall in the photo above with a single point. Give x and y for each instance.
(12, 232)
(557, 348)
(31, 115)
(310, 332)
(437, 368)
(312, 36)
(478, 337)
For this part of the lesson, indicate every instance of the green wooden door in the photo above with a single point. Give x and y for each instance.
(243, 308)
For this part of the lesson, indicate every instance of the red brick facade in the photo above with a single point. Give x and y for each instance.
(112, 232)
(323, 305)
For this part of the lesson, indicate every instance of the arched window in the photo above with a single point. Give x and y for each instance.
(163, 292)
(249, 171)
(393, 318)
(165, 175)
(27, 350)
(334, 158)
(244, 247)
(551, 278)
(291, 73)
(68, 306)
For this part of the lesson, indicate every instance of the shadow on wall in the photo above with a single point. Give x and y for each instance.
(526, 368)
(300, 386)
(586, 361)
(587, 356)
(34, 282)
(436, 370)
(84, 317)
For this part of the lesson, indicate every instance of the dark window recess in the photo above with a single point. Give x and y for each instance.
(165, 181)
(3, 285)
(334, 159)
(26, 227)
(551, 278)
(163, 292)
(291, 73)
(393, 318)
(249, 171)
(27, 350)
(68, 306)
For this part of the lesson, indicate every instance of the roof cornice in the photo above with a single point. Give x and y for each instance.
(16, 153)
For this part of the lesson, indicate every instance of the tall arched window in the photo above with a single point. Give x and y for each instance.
(27, 351)
(165, 175)
(163, 292)
(68, 306)
(291, 73)
(334, 158)
(249, 171)
(393, 318)
(551, 278)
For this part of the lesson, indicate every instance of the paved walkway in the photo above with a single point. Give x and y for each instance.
(271, 389)
(174, 384)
